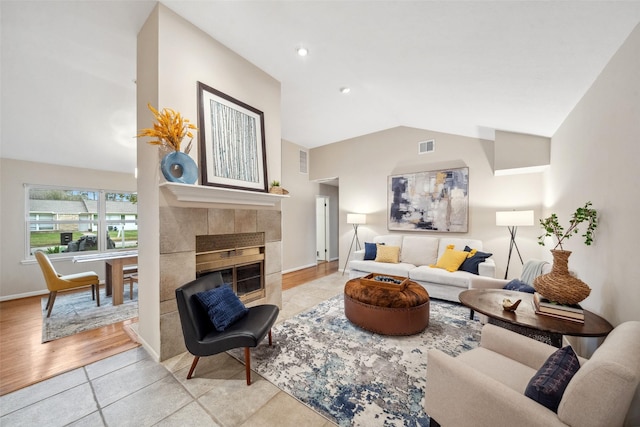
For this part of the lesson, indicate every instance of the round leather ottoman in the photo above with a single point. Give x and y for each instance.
(384, 308)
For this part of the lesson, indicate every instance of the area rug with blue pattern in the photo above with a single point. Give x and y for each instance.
(75, 312)
(355, 377)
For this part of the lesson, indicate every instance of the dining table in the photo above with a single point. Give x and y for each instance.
(115, 263)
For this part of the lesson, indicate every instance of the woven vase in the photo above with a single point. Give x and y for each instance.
(559, 285)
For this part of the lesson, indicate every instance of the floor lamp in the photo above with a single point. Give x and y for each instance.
(512, 220)
(356, 220)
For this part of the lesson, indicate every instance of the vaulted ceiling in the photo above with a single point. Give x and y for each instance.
(462, 67)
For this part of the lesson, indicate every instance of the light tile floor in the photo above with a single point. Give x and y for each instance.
(130, 389)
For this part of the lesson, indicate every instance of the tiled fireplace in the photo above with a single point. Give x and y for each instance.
(186, 232)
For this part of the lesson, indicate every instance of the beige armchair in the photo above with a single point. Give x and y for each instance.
(485, 386)
(57, 282)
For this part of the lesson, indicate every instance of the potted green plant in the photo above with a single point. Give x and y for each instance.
(552, 227)
(276, 189)
(559, 285)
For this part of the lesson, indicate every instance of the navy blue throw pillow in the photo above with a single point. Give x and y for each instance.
(370, 251)
(470, 265)
(223, 306)
(520, 286)
(548, 385)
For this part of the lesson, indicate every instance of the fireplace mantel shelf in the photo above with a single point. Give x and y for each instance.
(206, 194)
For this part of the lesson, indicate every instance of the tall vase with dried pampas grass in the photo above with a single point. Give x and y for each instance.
(169, 130)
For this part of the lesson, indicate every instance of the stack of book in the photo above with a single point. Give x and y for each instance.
(561, 311)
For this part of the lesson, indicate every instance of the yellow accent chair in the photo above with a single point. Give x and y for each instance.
(57, 282)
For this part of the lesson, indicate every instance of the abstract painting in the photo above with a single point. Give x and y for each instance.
(435, 201)
(232, 142)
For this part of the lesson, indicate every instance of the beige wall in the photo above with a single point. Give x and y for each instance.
(298, 212)
(364, 163)
(594, 156)
(517, 151)
(20, 277)
(173, 55)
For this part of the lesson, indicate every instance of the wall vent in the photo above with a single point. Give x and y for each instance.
(426, 146)
(304, 168)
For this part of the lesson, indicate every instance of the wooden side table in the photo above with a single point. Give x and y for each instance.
(525, 320)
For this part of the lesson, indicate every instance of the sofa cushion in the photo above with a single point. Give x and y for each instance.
(424, 273)
(223, 306)
(548, 384)
(451, 259)
(385, 253)
(506, 370)
(370, 251)
(399, 269)
(389, 239)
(419, 250)
(471, 263)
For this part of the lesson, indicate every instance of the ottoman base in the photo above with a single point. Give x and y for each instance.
(387, 320)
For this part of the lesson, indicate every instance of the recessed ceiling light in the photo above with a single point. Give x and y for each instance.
(345, 89)
(302, 51)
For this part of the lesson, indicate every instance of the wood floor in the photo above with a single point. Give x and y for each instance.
(25, 360)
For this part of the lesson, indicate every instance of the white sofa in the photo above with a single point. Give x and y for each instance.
(417, 252)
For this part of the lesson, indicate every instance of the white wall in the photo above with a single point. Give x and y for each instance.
(364, 163)
(594, 156)
(20, 277)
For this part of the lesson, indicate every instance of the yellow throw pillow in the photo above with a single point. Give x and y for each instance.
(451, 259)
(388, 254)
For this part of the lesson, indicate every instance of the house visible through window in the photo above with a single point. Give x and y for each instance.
(62, 220)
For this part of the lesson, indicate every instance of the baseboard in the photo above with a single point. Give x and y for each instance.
(291, 270)
(25, 295)
(155, 356)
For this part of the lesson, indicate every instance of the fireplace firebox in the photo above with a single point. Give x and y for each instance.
(239, 258)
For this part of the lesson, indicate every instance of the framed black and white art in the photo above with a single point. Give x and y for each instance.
(232, 142)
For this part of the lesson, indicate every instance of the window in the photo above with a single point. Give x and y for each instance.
(62, 220)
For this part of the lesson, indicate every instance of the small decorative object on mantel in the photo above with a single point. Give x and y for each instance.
(559, 285)
(276, 189)
(169, 131)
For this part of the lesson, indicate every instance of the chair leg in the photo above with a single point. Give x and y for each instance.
(52, 299)
(48, 301)
(471, 312)
(247, 364)
(97, 288)
(193, 366)
(270, 341)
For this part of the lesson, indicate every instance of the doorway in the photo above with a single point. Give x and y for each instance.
(323, 227)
